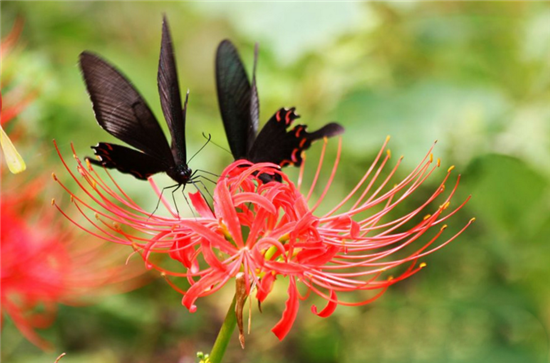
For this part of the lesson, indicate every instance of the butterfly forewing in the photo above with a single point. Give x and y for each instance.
(120, 109)
(170, 98)
(254, 104)
(235, 97)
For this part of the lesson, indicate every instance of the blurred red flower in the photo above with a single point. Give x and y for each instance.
(40, 263)
(265, 230)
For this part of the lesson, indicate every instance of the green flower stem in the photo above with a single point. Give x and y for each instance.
(224, 335)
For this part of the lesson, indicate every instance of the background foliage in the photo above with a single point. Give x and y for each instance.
(475, 76)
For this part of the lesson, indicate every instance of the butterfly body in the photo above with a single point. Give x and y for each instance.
(239, 107)
(182, 174)
(121, 111)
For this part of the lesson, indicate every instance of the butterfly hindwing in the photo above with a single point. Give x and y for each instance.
(276, 145)
(127, 160)
(239, 106)
(170, 98)
(237, 100)
(121, 110)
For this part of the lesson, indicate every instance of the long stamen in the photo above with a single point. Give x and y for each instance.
(266, 229)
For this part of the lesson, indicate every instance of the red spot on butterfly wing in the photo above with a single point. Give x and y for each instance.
(288, 120)
(294, 156)
(137, 174)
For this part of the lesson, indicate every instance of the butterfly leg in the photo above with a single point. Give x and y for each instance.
(174, 198)
(196, 184)
(186, 200)
(160, 198)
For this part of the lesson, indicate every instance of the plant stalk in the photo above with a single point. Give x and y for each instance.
(228, 326)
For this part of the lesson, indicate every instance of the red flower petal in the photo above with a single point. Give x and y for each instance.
(265, 286)
(329, 309)
(226, 211)
(282, 328)
(206, 286)
(256, 199)
(200, 205)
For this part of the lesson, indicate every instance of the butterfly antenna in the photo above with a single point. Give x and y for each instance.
(202, 147)
(185, 103)
(256, 51)
(218, 145)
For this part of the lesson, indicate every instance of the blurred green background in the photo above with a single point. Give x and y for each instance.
(473, 75)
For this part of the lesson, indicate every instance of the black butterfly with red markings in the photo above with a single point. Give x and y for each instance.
(239, 107)
(121, 111)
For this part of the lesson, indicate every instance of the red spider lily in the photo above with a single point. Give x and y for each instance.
(42, 267)
(32, 274)
(260, 231)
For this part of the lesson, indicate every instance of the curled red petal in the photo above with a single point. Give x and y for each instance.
(256, 199)
(265, 286)
(202, 288)
(225, 210)
(318, 255)
(210, 257)
(183, 250)
(329, 309)
(200, 205)
(307, 223)
(212, 236)
(282, 328)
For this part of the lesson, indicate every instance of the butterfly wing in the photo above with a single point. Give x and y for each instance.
(170, 98)
(127, 160)
(120, 110)
(238, 100)
(276, 145)
(254, 104)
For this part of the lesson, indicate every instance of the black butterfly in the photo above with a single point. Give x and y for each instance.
(121, 111)
(239, 107)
